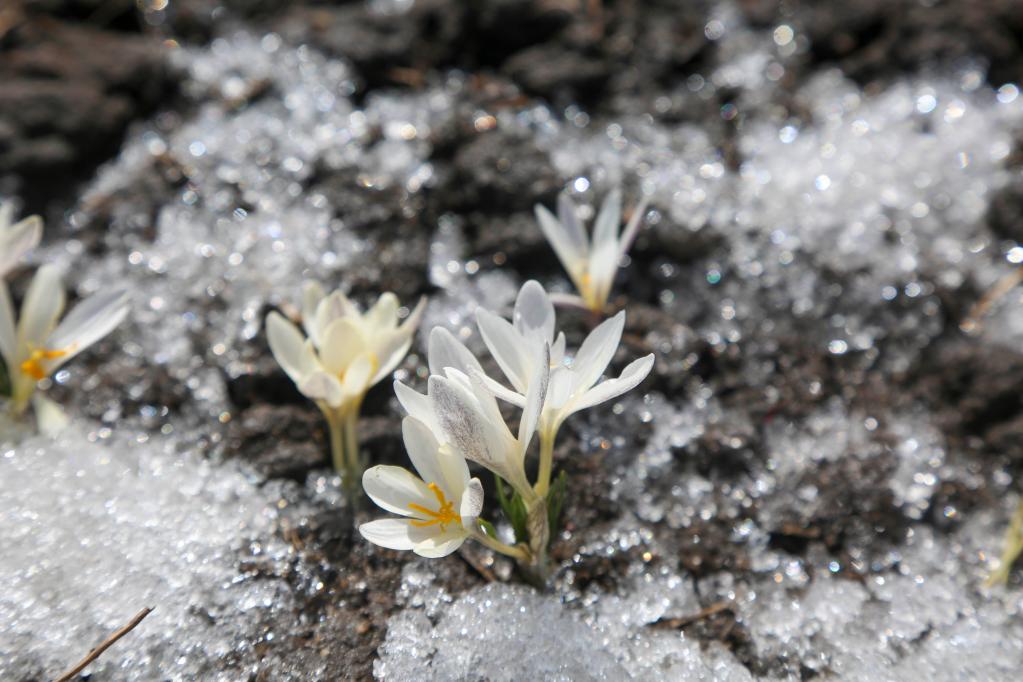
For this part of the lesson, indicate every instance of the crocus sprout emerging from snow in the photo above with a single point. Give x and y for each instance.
(591, 263)
(343, 354)
(458, 419)
(16, 239)
(37, 345)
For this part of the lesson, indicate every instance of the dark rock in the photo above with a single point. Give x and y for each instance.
(279, 441)
(69, 93)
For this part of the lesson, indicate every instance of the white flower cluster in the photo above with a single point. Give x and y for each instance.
(459, 419)
(35, 345)
(344, 352)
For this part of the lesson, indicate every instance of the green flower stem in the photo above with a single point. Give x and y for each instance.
(543, 476)
(23, 387)
(343, 427)
(1013, 548)
(351, 429)
(520, 554)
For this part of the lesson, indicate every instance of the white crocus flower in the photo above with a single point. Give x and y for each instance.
(592, 264)
(439, 508)
(463, 413)
(343, 354)
(573, 386)
(37, 346)
(16, 239)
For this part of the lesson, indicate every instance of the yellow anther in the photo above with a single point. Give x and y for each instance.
(444, 514)
(33, 365)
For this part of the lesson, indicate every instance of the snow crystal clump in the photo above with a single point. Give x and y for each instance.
(94, 528)
(509, 632)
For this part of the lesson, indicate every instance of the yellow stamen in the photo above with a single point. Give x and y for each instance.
(444, 514)
(33, 366)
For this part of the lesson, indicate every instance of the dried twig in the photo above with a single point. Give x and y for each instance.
(107, 643)
(676, 623)
(475, 564)
(990, 297)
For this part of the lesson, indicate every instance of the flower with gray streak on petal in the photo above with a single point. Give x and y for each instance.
(463, 413)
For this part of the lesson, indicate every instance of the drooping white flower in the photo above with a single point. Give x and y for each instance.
(573, 386)
(439, 508)
(591, 263)
(16, 239)
(37, 345)
(463, 414)
(344, 352)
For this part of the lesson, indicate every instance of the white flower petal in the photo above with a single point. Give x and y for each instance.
(342, 342)
(423, 450)
(447, 351)
(569, 218)
(319, 385)
(418, 406)
(631, 377)
(436, 543)
(8, 330)
(41, 308)
(87, 323)
(49, 415)
(534, 313)
(395, 489)
(561, 387)
(597, 351)
(605, 229)
(289, 348)
(472, 435)
(312, 295)
(390, 351)
(388, 533)
(571, 248)
(507, 346)
(534, 398)
(358, 375)
(603, 270)
(632, 229)
(332, 308)
(558, 351)
(472, 500)
(17, 240)
(383, 316)
(502, 393)
(411, 322)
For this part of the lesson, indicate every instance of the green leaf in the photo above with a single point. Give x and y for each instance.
(5, 381)
(488, 528)
(555, 502)
(514, 510)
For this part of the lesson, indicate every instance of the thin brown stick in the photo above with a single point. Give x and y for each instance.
(699, 615)
(475, 565)
(107, 643)
(1002, 287)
